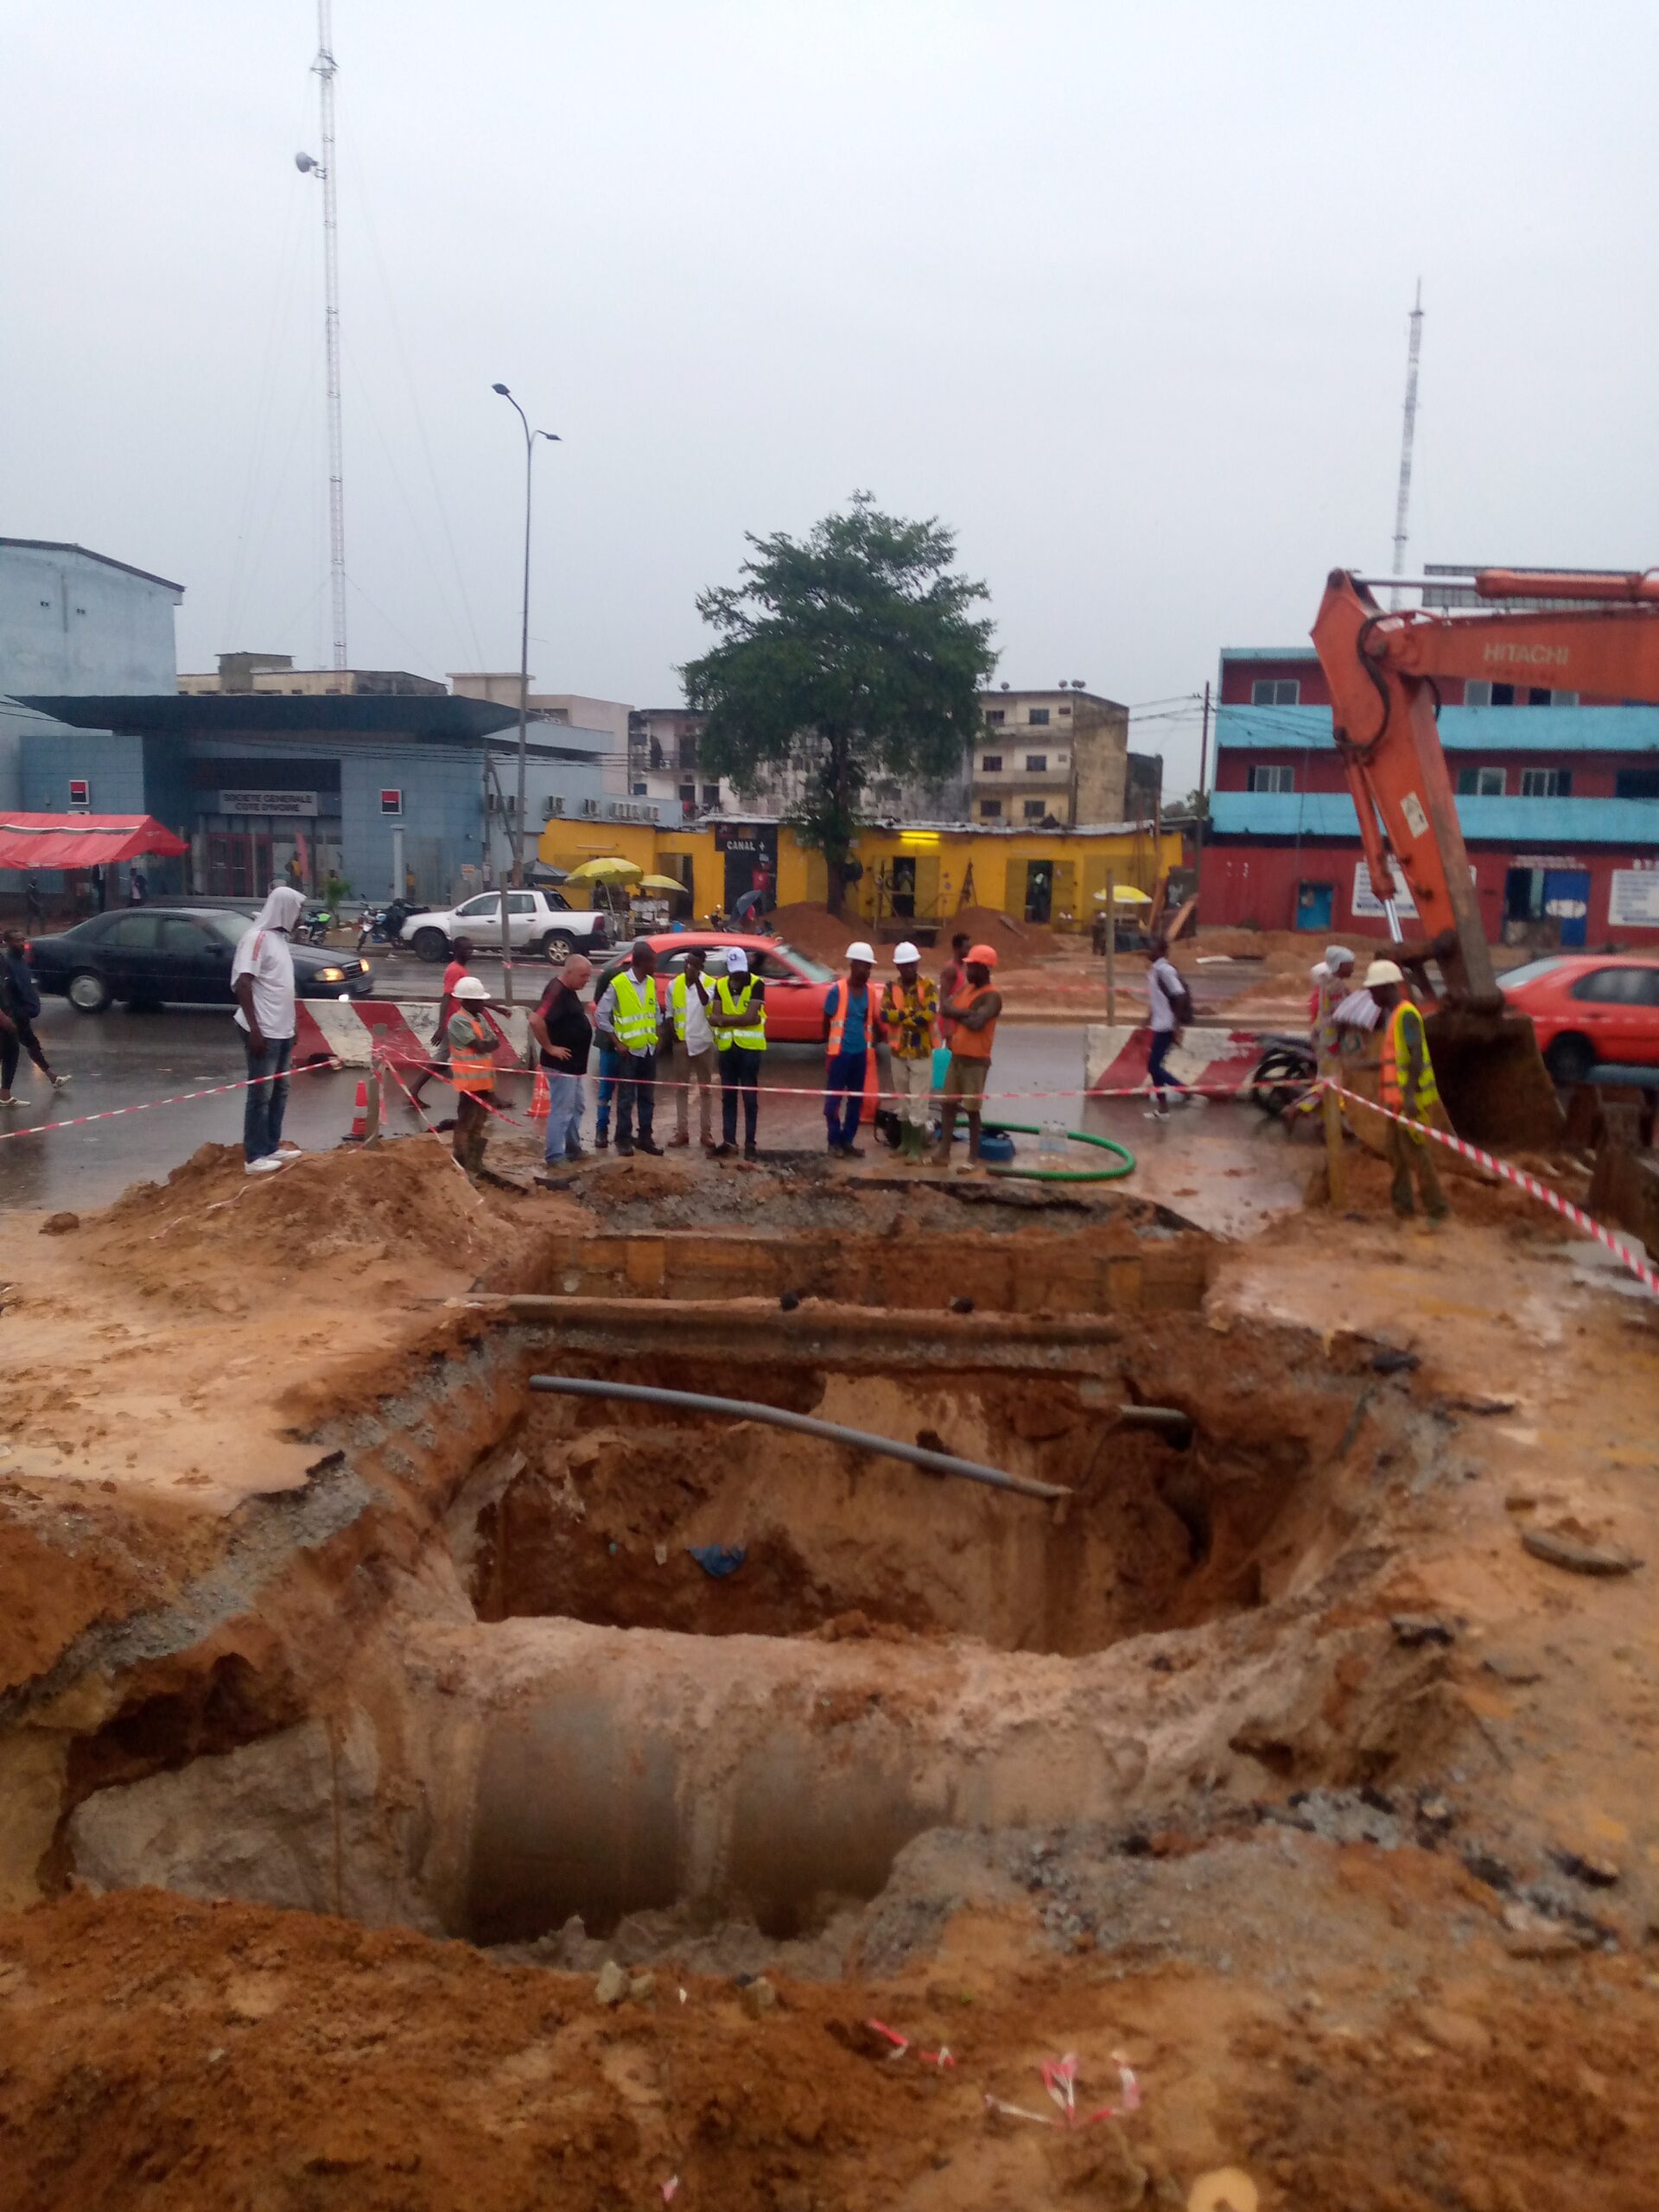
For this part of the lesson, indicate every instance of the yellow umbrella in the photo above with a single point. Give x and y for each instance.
(1125, 894)
(611, 871)
(659, 883)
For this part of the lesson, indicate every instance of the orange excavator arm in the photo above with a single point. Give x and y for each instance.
(1382, 667)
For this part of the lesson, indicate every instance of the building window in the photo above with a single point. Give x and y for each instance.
(1481, 783)
(1637, 783)
(1477, 692)
(1546, 783)
(711, 794)
(1272, 779)
(1037, 717)
(1563, 698)
(1064, 713)
(991, 763)
(991, 809)
(1276, 691)
(1539, 695)
(1036, 809)
(1036, 763)
(993, 715)
(639, 790)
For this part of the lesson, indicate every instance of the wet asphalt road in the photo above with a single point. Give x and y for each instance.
(1223, 1164)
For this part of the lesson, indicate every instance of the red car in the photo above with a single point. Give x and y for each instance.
(796, 983)
(1588, 1008)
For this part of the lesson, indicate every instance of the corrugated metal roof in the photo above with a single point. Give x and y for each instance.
(270, 713)
(1536, 823)
(1487, 730)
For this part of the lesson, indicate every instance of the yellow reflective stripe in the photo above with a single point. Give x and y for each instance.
(754, 1035)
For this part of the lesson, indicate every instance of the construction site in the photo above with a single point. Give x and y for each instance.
(420, 1786)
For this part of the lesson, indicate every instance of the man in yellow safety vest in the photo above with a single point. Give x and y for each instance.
(738, 1014)
(1407, 1087)
(628, 1021)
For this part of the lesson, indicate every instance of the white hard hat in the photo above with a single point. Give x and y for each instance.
(1382, 971)
(470, 987)
(904, 953)
(860, 951)
(737, 961)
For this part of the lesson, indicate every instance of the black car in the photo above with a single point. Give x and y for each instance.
(180, 954)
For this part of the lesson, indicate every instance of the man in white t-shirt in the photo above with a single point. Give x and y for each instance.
(262, 978)
(1169, 1006)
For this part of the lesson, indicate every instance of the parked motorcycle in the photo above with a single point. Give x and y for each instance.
(1280, 1077)
(314, 928)
(384, 925)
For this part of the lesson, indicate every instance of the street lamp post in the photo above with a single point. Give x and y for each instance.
(530, 437)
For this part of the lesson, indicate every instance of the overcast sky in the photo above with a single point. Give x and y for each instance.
(1119, 292)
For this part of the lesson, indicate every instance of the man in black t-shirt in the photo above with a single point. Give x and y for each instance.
(561, 1029)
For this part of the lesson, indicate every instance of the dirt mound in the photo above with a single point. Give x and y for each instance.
(814, 929)
(228, 2057)
(401, 1201)
(1013, 940)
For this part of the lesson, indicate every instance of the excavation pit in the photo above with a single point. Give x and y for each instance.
(592, 1660)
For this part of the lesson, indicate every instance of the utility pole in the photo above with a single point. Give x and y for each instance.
(1407, 433)
(530, 436)
(1204, 778)
(324, 67)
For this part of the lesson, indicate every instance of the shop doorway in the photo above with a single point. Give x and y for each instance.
(1040, 890)
(238, 864)
(1314, 904)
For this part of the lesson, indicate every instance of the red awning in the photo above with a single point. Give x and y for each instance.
(83, 840)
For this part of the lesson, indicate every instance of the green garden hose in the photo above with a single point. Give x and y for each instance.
(1064, 1175)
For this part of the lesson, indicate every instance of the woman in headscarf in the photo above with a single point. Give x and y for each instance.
(262, 979)
(561, 1029)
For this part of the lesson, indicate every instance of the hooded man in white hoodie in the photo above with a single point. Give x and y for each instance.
(262, 978)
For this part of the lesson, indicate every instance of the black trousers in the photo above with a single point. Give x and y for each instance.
(636, 1094)
(21, 1037)
(740, 1076)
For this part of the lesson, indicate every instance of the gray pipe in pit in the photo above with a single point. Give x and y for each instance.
(617, 1771)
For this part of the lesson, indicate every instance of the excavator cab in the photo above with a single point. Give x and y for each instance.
(1383, 667)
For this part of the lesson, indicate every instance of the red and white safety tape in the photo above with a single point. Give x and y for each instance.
(178, 1098)
(1585, 1222)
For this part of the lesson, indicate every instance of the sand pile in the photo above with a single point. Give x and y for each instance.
(814, 929)
(403, 1201)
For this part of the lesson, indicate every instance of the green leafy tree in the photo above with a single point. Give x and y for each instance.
(853, 652)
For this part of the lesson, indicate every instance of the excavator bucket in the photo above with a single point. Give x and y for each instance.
(1492, 1078)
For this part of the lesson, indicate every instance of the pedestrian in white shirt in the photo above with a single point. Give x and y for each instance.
(695, 1054)
(262, 980)
(1169, 1009)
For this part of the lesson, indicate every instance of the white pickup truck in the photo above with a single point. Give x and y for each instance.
(540, 920)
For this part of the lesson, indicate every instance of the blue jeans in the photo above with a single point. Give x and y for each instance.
(263, 1104)
(1162, 1042)
(609, 1066)
(564, 1101)
(844, 1081)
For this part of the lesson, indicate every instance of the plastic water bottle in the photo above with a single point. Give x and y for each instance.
(1052, 1147)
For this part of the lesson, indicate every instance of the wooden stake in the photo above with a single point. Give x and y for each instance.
(1336, 1166)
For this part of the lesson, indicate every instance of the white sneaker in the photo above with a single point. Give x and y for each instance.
(1157, 1113)
(12, 1099)
(269, 1166)
(288, 1149)
(58, 1081)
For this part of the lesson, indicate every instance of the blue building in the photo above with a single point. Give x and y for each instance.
(388, 780)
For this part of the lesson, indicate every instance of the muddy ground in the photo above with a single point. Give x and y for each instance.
(367, 1721)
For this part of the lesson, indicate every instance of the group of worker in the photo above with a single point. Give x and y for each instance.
(1375, 1026)
(710, 1024)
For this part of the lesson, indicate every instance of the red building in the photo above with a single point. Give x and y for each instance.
(1557, 796)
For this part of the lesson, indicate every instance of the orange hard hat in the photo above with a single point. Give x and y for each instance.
(981, 955)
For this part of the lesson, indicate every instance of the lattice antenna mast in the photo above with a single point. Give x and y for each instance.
(324, 67)
(1408, 435)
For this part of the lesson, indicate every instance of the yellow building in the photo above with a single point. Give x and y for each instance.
(914, 876)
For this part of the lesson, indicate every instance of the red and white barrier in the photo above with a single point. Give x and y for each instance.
(355, 1031)
(1115, 1057)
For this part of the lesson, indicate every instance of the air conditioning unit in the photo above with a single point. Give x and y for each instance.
(550, 807)
(590, 806)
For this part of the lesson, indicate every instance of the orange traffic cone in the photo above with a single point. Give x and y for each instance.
(359, 1113)
(540, 1103)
